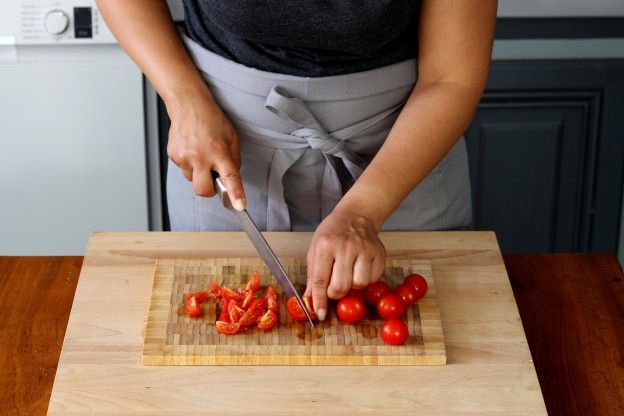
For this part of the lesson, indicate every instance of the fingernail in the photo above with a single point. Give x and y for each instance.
(321, 314)
(239, 204)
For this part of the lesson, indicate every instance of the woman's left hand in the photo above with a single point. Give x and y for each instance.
(345, 253)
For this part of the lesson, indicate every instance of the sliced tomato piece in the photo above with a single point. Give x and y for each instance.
(272, 300)
(227, 328)
(268, 320)
(254, 282)
(294, 309)
(235, 311)
(247, 299)
(191, 307)
(257, 308)
(307, 300)
(199, 296)
(215, 289)
(223, 310)
(228, 293)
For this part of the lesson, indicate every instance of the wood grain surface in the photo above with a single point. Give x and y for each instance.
(489, 369)
(35, 297)
(572, 307)
(174, 339)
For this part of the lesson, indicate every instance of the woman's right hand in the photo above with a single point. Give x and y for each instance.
(201, 139)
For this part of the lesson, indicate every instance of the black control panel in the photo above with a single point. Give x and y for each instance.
(83, 22)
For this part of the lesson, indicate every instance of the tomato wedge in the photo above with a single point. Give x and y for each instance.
(234, 311)
(228, 293)
(248, 298)
(223, 310)
(272, 302)
(227, 328)
(294, 309)
(191, 307)
(215, 290)
(255, 311)
(254, 282)
(268, 320)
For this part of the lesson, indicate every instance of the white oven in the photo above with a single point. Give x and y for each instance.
(72, 130)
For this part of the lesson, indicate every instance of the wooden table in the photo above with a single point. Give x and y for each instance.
(571, 306)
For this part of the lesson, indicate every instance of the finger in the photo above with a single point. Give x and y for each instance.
(320, 281)
(362, 270)
(310, 269)
(236, 152)
(187, 172)
(233, 183)
(378, 265)
(342, 276)
(203, 184)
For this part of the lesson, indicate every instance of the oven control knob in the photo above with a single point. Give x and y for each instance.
(56, 22)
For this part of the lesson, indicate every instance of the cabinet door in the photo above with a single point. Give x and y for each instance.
(528, 162)
(546, 153)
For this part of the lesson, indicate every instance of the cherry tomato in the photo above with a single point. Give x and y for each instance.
(407, 293)
(248, 297)
(268, 320)
(419, 283)
(394, 332)
(358, 293)
(375, 290)
(215, 290)
(295, 311)
(272, 302)
(191, 307)
(351, 309)
(223, 310)
(235, 311)
(227, 328)
(257, 308)
(307, 301)
(226, 292)
(254, 282)
(390, 306)
(199, 296)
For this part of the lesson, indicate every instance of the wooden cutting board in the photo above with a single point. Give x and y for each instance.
(171, 338)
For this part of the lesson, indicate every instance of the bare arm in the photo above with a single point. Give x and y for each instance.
(455, 45)
(201, 138)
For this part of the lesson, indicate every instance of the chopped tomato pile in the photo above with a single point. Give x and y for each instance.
(239, 308)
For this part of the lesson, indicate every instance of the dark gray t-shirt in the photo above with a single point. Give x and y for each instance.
(306, 37)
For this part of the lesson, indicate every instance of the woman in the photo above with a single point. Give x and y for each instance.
(313, 116)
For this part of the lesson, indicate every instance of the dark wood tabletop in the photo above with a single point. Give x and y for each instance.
(571, 305)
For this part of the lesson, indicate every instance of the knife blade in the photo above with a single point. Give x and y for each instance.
(262, 247)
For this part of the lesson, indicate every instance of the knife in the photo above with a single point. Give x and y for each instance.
(261, 245)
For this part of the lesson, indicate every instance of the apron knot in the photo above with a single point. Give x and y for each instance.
(320, 140)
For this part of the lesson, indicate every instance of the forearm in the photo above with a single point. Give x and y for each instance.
(145, 30)
(434, 117)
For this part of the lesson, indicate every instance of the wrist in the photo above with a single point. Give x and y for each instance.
(176, 97)
(363, 208)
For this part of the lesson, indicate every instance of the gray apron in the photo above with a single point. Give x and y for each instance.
(304, 141)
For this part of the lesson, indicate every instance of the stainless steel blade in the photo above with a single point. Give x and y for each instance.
(262, 247)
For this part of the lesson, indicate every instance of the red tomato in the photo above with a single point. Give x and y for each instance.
(199, 296)
(351, 309)
(375, 290)
(191, 307)
(390, 306)
(248, 298)
(407, 293)
(227, 328)
(295, 311)
(358, 293)
(215, 290)
(272, 302)
(307, 301)
(394, 332)
(254, 282)
(226, 292)
(419, 283)
(223, 310)
(235, 311)
(255, 311)
(268, 320)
